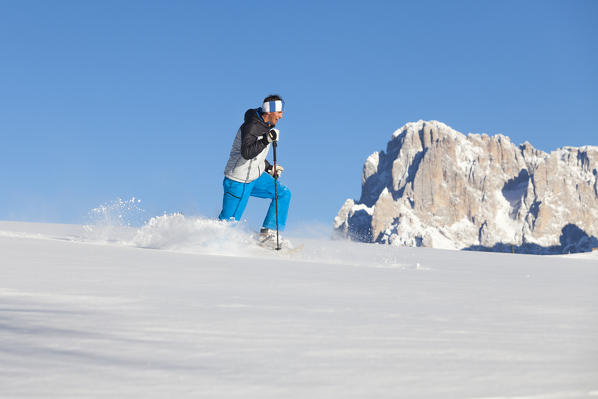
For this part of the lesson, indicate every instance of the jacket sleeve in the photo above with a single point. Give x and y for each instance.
(252, 143)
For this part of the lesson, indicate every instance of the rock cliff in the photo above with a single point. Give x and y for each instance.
(436, 187)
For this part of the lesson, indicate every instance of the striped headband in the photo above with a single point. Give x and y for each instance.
(273, 106)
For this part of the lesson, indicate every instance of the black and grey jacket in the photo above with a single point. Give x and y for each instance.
(247, 160)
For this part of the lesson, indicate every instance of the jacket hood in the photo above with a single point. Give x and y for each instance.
(252, 116)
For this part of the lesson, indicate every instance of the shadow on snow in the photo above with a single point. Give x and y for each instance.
(572, 240)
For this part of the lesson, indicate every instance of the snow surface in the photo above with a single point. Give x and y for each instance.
(191, 308)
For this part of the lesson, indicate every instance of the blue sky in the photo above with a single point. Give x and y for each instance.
(108, 99)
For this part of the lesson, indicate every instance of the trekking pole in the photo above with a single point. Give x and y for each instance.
(276, 194)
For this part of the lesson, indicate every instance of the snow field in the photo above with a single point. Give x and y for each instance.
(190, 308)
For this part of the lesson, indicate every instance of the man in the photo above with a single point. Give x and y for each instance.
(249, 174)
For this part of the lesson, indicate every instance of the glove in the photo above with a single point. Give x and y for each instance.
(279, 170)
(273, 135)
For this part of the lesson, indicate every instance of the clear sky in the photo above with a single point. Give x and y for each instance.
(108, 99)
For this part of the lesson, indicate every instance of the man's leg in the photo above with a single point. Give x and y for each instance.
(264, 188)
(235, 199)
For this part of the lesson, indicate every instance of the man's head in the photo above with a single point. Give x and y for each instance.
(272, 109)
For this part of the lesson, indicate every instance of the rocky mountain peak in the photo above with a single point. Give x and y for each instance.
(436, 187)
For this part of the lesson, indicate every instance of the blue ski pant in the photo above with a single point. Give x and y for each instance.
(237, 194)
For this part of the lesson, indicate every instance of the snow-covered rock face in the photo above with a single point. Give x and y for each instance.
(436, 187)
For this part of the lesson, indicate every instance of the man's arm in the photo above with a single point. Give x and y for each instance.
(252, 143)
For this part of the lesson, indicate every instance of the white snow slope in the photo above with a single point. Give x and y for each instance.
(93, 313)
